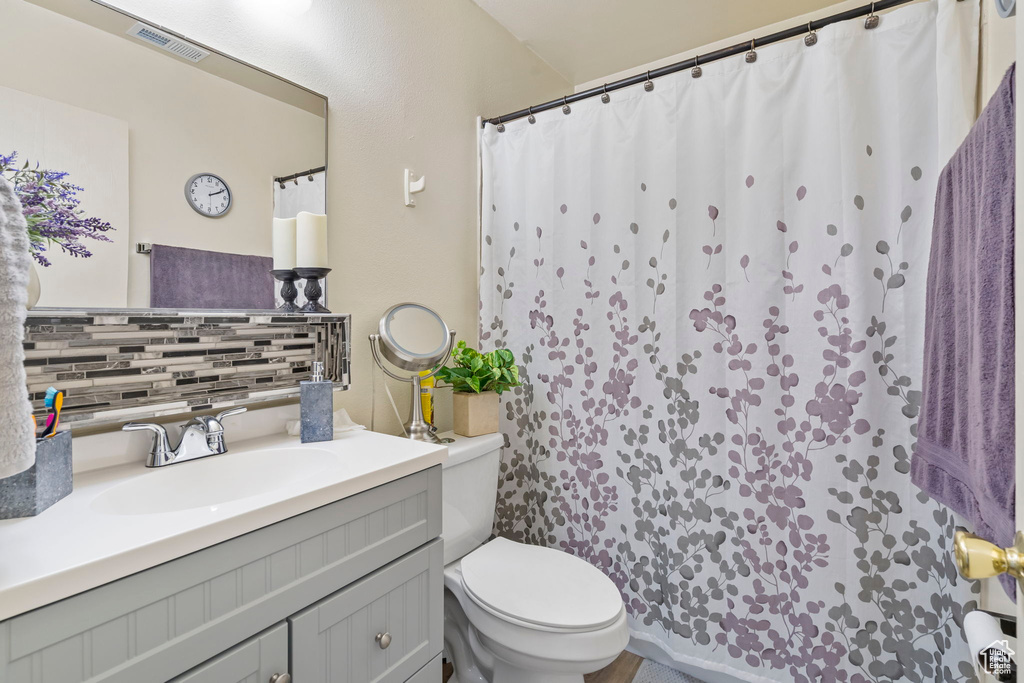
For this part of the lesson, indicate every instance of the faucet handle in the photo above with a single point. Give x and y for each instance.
(145, 427)
(231, 411)
(160, 453)
(212, 424)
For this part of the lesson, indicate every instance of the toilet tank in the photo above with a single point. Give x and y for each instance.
(470, 487)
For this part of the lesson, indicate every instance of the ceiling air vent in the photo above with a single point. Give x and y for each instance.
(167, 42)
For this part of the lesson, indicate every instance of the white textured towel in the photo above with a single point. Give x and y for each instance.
(17, 439)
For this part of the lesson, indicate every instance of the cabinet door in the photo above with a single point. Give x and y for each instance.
(257, 660)
(382, 629)
(431, 673)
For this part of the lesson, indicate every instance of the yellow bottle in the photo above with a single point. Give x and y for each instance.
(427, 396)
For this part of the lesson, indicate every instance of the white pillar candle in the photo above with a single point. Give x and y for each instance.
(284, 243)
(311, 240)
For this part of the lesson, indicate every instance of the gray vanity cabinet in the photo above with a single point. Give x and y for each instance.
(257, 660)
(383, 628)
(300, 596)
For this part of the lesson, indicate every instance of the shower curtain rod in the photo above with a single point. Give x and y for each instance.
(294, 176)
(739, 48)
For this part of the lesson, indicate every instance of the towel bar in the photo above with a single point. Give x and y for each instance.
(1007, 622)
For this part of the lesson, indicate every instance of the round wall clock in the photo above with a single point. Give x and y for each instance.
(208, 195)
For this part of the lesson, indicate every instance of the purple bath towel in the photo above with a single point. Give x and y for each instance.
(192, 278)
(965, 447)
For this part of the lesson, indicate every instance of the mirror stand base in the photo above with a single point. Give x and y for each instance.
(417, 428)
(421, 431)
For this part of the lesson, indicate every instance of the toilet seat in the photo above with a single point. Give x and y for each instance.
(540, 588)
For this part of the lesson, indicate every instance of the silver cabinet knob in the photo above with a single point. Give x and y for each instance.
(281, 678)
(384, 640)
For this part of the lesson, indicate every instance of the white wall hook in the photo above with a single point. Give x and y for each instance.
(413, 187)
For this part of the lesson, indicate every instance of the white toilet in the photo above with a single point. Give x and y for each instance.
(516, 613)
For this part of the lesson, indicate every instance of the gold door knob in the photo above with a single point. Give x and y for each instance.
(976, 558)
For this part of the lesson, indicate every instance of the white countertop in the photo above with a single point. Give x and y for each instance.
(79, 544)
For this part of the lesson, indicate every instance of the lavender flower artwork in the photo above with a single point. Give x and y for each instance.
(51, 206)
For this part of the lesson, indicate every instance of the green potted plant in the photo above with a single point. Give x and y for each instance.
(477, 379)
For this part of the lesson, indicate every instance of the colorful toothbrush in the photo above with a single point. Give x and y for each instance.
(54, 401)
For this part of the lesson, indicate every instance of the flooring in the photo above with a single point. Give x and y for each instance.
(627, 668)
(622, 670)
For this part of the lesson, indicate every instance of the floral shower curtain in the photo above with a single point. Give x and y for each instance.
(716, 289)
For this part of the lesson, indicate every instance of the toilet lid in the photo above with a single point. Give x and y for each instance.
(540, 586)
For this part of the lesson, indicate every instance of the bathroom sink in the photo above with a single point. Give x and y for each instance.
(213, 481)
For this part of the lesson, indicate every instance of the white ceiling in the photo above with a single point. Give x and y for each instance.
(586, 40)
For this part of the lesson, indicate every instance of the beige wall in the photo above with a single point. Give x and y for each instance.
(405, 81)
(93, 150)
(998, 49)
(181, 121)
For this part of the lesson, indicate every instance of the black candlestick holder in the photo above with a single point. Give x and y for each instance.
(289, 291)
(313, 291)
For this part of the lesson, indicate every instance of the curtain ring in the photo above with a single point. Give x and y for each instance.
(648, 84)
(531, 118)
(751, 55)
(296, 181)
(501, 126)
(812, 37)
(872, 19)
(696, 71)
(605, 97)
(310, 175)
(281, 183)
(566, 109)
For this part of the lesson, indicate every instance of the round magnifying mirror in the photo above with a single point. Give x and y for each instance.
(413, 337)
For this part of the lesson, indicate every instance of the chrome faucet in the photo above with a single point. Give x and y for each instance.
(200, 437)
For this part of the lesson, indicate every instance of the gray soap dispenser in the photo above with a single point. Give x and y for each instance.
(316, 405)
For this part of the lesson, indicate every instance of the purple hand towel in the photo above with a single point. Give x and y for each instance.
(193, 278)
(965, 448)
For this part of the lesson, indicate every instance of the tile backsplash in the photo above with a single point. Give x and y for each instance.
(122, 365)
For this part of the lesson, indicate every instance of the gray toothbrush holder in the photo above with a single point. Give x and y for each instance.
(28, 493)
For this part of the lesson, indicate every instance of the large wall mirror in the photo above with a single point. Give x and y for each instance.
(177, 158)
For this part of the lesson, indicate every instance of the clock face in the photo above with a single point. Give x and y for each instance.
(208, 194)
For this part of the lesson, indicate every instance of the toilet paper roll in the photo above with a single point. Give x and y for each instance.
(982, 630)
